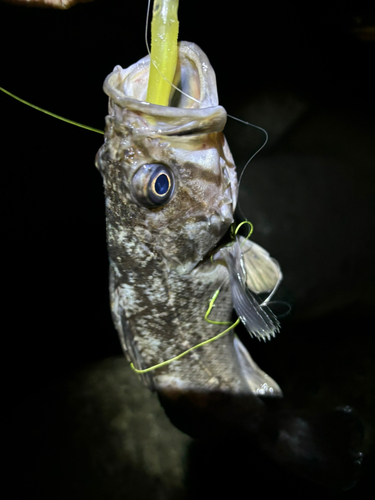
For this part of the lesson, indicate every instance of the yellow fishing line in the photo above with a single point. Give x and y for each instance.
(208, 312)
(185, 352)
(205, 342)
(213, 299)
(234, 231)
(211, 305)
(250, 230)
(52, 114)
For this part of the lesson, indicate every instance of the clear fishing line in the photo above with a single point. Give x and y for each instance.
(258, 150)
(251, 157)
(199, 102)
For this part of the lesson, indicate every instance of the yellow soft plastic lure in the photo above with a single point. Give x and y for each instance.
(164, 51)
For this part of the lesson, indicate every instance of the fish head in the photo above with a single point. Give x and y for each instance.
(169, 176)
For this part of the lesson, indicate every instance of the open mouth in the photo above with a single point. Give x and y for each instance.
(193, 105)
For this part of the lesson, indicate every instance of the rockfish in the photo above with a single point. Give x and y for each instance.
(171, 190)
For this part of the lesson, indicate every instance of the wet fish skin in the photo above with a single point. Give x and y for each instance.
(161, 277)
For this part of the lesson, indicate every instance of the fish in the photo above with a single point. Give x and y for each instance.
(171, 189)
(169, 255)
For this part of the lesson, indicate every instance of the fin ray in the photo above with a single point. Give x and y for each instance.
(258, 319)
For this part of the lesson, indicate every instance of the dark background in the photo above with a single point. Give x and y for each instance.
(302, 71)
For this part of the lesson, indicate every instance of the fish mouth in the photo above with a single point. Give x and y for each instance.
(193, 106)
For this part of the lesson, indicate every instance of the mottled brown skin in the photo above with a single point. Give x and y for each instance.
(161, 277)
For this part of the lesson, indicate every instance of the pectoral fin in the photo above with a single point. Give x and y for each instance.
(258, 319)
(263, 273)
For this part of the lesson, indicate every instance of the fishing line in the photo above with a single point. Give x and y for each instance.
(205, 342)
(92, 129)
(281, 303)
(206, 317)
(200, 102)
(71, 122)
(251, 229)
(257, 151)
(211, 305)
(251, 157)
(214, 297)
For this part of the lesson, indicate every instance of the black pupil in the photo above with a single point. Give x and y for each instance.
(161, 184)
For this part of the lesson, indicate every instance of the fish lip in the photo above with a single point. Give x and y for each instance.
(205, 116)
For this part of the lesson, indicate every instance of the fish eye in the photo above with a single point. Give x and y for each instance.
(153, 185)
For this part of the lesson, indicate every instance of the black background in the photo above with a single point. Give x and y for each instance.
(315, 196)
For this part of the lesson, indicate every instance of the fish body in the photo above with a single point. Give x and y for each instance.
(171, 190)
